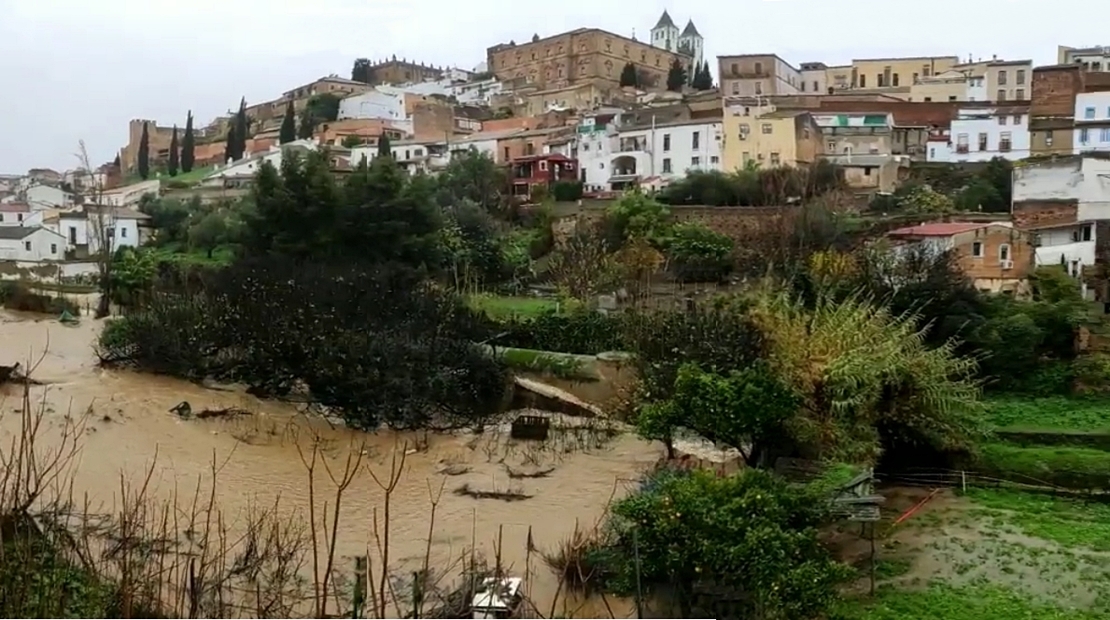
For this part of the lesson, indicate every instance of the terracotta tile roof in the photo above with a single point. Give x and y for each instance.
(14, 207)
(940, 229)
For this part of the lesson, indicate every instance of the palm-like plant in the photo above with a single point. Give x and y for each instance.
(859, 369)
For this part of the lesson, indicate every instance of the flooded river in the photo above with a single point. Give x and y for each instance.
(130, 428)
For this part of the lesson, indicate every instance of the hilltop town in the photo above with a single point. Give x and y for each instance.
(598, 326)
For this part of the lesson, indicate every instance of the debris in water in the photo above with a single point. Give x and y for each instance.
(185, 411)
(13, 374)
(534, 473)
(505, 496)
(454, 470)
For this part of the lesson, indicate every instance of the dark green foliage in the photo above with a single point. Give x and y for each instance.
(323, 108)
(172, 165)
(471, 176)
(741, 546)
(699, 254)
(761, 187)
(374, 343)
(20, 297)
(143, 155)
(703, 79)
(582, 331)
(629, 76)
(566, 191)
(288, 125)
(242, 130)
(188, 146)
(676, 76)
(229, 145)
(384, 149)
(306, 127)
(360, 70)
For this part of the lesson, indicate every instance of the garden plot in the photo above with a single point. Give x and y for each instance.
(994, 554)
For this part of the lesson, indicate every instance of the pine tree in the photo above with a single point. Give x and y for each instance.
(241, 128)
(144, 154)
(384, 149)
(171, 166)
(629, 76)
(676, 77)
(188, 146)
(288, 125)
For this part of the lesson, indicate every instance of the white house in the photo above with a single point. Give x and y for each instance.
(46, 197)
(30, 243)
(15, 214)
(413, 155)
(380, 103)
(666, 150)
(981, 134)
(1092, 122)
(596, 136)
(82, 229)
(247, 166)
(126, 196)
(1080, 180)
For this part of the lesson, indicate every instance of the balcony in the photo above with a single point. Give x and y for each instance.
(630, 145)
(962, 149)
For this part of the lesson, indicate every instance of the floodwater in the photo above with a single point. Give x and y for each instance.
(130, 431)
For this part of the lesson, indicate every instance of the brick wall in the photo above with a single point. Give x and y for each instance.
(1040, 213)
(1054, 90)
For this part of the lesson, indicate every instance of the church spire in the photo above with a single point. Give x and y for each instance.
(665, 21)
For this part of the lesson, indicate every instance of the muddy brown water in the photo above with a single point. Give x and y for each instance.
(130, 428)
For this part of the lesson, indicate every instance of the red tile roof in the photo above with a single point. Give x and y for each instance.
(14, 207)
(943, 229)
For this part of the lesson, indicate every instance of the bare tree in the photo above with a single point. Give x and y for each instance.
(101, 233)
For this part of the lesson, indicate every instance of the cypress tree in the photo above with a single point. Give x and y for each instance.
(288, 125)
(307, 126)
(171, 166)
(229, 146)
(144, 154)
(241, 128)
(383, 146)
(703, 80)
(629, 76)
(188, 146)
(676, 77)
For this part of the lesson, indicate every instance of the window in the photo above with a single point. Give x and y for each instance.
(977, 249)
(1001, 95)
(666, 165)
(814, 85)
(951, 97)
(111, 232)
(961, 143)
(1084, 136)
(775, 161)
(27, 245)
(736, 88)
(926, 70)
(19, 217)
(894, 79)
(1089, 113)
(123, 233)
(932, 153)
(1001, 78)
(666, 142)
(53, 248)
(713, 159)
(735, 69)
(862, 81)
(744, 129)
(745, 158)
(1020, 94)
(759, 68)
(1020, 77)
(695, 141)
(982, 141)
(767, 128)
(1001, 120)
(507, 154)
(928, 99)
(1048, 138)
(759, 88)
(73, 235)
(1085, 233)
(1104, 135)
(695, 162)
(1017, 119)
(830, 147)
(1004, 251)
(1004, 143)
(915, 78)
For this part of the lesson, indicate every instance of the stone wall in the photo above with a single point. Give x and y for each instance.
(738, 223)
(1040, 213)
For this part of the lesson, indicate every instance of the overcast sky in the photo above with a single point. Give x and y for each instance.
(75, 69)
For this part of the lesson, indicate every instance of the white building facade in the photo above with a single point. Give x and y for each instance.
(689, 41)
(666, 151)
(379, 103)
(596, 136)
(981, 134)
(1092, 122)
(30, 243)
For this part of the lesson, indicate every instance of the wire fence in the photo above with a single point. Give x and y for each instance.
(964, 479)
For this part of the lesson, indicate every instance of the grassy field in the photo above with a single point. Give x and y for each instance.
(499, 307)
(1050, 414)
(188, 178)
(993, 555)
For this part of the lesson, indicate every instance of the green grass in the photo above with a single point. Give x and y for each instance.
(1065, 466)
(498, 307)
(188, 178)
(564, 366)
(171, 254)
(997, 554)
(1049, 414)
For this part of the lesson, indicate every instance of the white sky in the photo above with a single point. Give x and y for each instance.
(80, 69)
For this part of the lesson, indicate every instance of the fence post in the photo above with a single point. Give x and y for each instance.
(963, 480)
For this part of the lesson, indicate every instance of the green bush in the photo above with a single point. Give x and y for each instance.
(1062, 466)
(699, 254)
(582, 331)
(18, 296)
